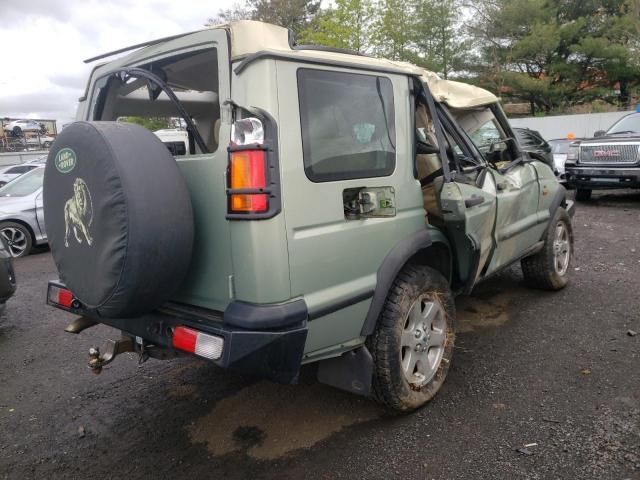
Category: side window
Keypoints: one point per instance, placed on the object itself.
(16, 170)
(191, 76)
(348, 125)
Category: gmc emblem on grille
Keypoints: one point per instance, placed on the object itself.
(606, 153)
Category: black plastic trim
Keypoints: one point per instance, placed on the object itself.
(270, 147)
(266, 54)
(351, 371)
(265, 316)
(275, 354)
(334, 307)
(388, 271)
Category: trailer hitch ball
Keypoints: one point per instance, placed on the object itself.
(110, 350)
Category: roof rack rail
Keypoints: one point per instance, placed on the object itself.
(139, 45)
(322, 48)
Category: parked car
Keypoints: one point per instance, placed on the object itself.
(532, 142)
(44, 141)
(560, 148)
(329, 218)
(7, 275)
(175, 139)
(610, 160)
(21, 214)
(17, 127)
(10, 172)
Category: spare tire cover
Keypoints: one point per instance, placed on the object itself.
(118, 217)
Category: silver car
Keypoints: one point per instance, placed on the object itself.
(21, 213)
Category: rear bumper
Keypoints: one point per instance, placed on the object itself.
(603, 177)
(258, 347)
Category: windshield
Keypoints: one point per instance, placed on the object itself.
(628, 124)
(24, 185)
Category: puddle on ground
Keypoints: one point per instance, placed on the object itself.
(488, 311)
(268, 420)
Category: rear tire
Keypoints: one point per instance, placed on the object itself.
(583, 194)
(548, 269)
(413, 342)
(17, 132)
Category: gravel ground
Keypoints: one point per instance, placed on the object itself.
(555, 371)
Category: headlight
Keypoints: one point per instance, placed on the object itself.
(573, 153)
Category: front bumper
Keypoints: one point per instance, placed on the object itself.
(602, 177)
(274, 352)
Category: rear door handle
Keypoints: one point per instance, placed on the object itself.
(473, 201)
(501, 186)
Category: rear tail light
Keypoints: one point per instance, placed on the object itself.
(61, 297)
(247, 174)
(198, 343)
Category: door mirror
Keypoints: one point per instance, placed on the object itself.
(599, 133)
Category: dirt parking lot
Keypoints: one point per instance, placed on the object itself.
(558, 372)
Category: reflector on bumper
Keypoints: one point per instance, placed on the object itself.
(60, 297)
(198, 343)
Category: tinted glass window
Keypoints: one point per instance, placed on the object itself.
(348, 125)
(628, 124)
(14, 170)
(25, 185)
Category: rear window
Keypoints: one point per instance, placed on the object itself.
(348, 125)
(191, 76)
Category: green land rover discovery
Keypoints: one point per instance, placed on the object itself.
(325, 207)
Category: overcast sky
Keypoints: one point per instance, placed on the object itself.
(45, 41)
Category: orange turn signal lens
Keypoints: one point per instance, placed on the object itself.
(247, 170)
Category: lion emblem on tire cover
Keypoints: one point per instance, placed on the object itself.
(78, 213)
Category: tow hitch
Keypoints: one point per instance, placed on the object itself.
(99, 357)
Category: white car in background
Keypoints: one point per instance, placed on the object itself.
(44, 141)
(17, 127)
(176, 140)
(10, 172)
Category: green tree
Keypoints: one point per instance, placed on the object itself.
(344, 26)
(439, 44)
(555, 53)
(392, 29)
(150, 123)
(295, 15)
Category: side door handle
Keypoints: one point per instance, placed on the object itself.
(473, 201)
(501, 185)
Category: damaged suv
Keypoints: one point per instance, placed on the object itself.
(329, 208)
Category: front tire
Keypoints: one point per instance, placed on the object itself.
(583, 194)
(17, 237)
(17, 132)
(412, 345)
(548, 269)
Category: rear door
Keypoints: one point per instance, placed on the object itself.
(343, 132)
(196, 68)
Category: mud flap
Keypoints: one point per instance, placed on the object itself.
(351, 371)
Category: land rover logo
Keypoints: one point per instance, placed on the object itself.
(65, 160)
(606, 153)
